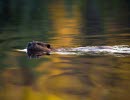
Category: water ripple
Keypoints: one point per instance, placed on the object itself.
(117, 50)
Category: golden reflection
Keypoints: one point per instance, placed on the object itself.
(59, 77)
(59, 84)
(64, 26)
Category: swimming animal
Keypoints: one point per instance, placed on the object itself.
(36, 49)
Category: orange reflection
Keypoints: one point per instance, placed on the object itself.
(64, 26)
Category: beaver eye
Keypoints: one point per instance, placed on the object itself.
(48, 45)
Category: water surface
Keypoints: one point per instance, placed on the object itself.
(82, 69)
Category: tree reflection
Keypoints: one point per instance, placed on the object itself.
(63, 23)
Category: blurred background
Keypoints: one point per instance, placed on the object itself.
(64, 23)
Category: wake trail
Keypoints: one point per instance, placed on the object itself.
(117, 50)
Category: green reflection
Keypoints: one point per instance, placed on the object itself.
(63, 23)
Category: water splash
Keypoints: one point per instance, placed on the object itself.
(117, 50)
(21, 50)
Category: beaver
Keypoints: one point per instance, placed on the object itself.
(36, 49)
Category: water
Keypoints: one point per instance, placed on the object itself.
(92, 39)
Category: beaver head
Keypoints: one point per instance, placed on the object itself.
(36, 49)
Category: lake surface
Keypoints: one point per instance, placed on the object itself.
(93, 39)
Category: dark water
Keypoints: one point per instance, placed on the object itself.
(71, 74)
